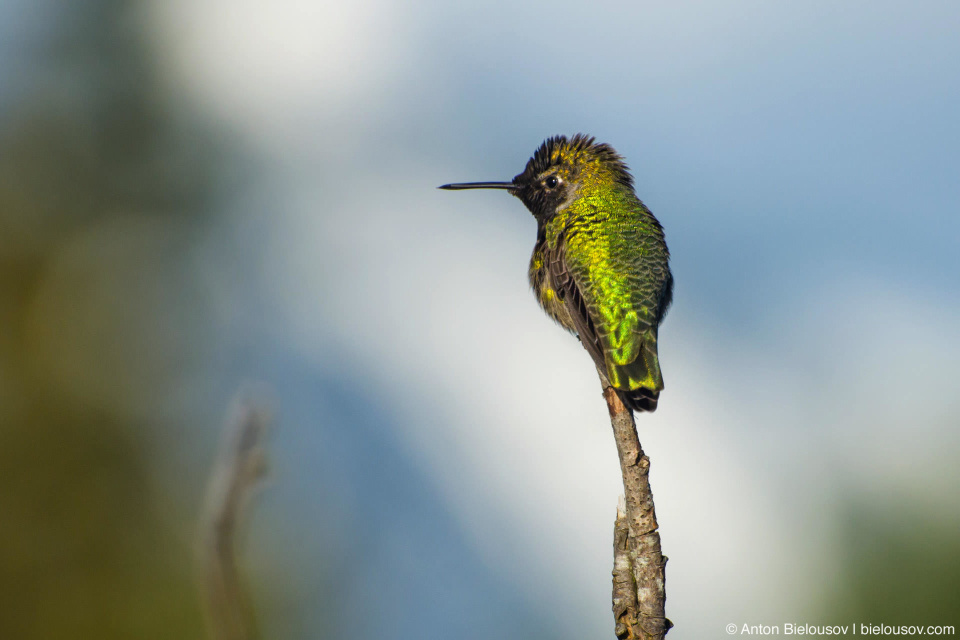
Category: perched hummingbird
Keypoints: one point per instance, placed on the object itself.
(600, 266)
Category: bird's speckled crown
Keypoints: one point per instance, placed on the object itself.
(582, 150)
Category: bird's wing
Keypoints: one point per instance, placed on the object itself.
(566, 286)
(613, 293)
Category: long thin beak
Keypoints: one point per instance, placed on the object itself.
(478, 185)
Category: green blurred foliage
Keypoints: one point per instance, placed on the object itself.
(900, 565)
(102, 184)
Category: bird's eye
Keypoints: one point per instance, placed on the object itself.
(551, 182)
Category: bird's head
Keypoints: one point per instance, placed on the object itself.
(559, 172)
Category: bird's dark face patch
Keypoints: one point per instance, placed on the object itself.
(546, 192)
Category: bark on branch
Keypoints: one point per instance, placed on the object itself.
(639, 591)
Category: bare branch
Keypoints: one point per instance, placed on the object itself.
(636, 539)
(624, 585)
(241, 463)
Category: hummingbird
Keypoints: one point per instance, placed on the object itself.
(600, 266)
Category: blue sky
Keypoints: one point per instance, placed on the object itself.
(803, 159)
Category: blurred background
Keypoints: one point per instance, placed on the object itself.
(195, 195)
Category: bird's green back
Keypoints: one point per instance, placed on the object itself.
(614, 249)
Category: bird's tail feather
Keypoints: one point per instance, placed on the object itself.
(638, 383)
(639, 399)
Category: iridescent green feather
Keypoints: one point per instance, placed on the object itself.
(613, 253)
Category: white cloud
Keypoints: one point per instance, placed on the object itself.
(271, 67)
(429, 291)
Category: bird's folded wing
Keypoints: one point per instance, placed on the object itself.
(616, 323)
